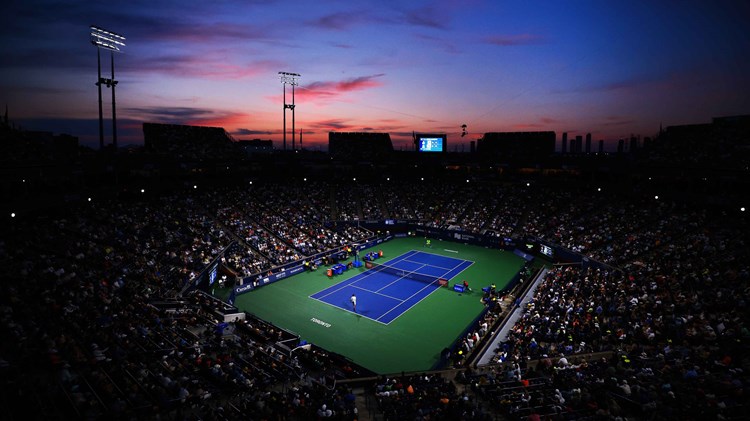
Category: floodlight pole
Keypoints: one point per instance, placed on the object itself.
(288, 78)
(114, 112)
(294, 132)
(99, 87)
(111, 41)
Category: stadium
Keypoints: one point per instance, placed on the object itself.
(207, 283)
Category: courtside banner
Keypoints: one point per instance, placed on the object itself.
(374, 242)
(251, 285)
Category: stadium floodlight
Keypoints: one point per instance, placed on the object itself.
(106, 39)
(290, 79)
(101, 38)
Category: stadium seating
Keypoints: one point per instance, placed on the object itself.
(662, 333)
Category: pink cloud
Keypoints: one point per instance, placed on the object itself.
(354, 84)
(328, 90)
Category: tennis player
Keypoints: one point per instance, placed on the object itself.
(354, 302)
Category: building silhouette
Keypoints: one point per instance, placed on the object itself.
(359, 145)
(516, 145)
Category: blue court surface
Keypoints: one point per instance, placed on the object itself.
(384, 296)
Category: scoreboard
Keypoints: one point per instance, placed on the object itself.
(430, 142)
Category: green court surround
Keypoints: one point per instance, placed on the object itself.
(414, 341)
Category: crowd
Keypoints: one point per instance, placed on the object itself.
(95, 326)
(671, 324)
(482, 329)
(288, 231)
(258, 237)
(428, 396)
(658, 330)
(244, 261)
(417, 201)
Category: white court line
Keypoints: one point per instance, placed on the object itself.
(376, 292)
(451, 251)
(365, 274)
(351, 281)
(400, 277)
(404, 311)
(349, 311)
(423, 298)
(426, 264)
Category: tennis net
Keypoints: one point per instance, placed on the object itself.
(421, 277)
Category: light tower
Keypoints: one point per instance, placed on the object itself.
(291, 79)
(111, 41)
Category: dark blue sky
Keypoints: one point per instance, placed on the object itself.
(609, 68)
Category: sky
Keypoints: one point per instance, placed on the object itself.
(611, 68)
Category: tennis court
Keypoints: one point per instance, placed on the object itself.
(385, 292)
(411, 342)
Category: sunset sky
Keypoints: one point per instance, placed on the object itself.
(605, 67)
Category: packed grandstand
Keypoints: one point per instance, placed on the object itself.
(99, 319)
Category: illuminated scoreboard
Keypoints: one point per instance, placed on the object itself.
(430, 142)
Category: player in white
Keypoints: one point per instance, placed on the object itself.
(353, 299)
